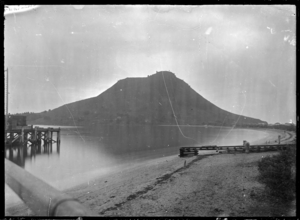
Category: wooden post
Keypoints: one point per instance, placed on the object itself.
(25, 137)
(39, 149)
(45, 137)
(58, 147)
(278, 139)
(35, 134)
(21, 156)
(5, 137)
(246, 146)
(24, 151)
(33, 150)
(181, 153)
(49, 135)
(11, 153)
(38, 137)
(22, 136)
(11, 136)
(58, 136)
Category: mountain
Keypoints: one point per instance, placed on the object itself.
(148, 100)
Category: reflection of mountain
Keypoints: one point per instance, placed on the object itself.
(143, 101)
(124, 138)
(18, 154)
(127, 138)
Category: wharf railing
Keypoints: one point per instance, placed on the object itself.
(41, 198)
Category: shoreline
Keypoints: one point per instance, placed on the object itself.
(110, 194)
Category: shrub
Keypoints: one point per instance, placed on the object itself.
(276, 172)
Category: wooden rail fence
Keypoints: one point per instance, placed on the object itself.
(184, 151)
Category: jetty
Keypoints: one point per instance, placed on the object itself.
(245, 148)
(18, 132)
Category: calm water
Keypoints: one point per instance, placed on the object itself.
(86, 153)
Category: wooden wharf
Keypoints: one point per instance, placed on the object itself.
(183, 151)
(194, 150)
(32, 135)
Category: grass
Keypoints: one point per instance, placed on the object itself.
(277, 173)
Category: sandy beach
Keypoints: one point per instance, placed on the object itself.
(210, 184)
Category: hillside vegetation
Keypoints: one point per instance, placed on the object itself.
(142, 101)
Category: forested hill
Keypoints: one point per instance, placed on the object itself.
(147, 100)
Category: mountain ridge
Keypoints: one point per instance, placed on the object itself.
(143, 100)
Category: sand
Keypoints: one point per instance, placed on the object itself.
(210, 184)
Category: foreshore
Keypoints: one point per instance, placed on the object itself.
(210, 184)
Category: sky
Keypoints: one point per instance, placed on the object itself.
(241, 58)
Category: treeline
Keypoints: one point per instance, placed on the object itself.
(291, 127)
(23, 113)
(28, 113)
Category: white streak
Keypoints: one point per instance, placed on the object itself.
(271, 83)
(208, 31)
(286, 38)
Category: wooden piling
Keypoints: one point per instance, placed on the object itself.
(24, 151)
(5, 136)
(49, 135)
(38, 137)
(58, 136)
(22, 136)
(11, 154)
(35, 134)
(11, 137)
(25, 138)
(58, 148)
(45, 137)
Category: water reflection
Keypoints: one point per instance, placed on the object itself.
(19, 153)
(87, 153)
(125, 138)
(88, 146)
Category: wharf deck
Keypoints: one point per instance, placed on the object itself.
(25, 134)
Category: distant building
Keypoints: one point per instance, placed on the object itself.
(289, 124)
(15, 121)
(263, 123)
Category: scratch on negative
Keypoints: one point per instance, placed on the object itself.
(272, 83)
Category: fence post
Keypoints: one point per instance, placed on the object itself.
(246, 146)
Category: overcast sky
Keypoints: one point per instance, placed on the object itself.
(241, 58)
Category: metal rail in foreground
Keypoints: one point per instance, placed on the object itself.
(41, 198)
